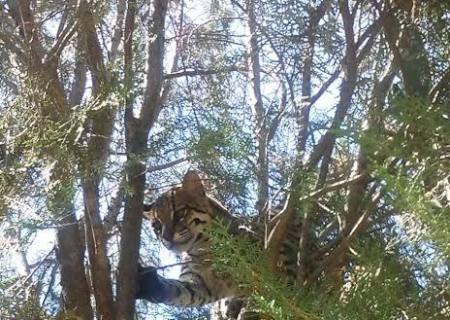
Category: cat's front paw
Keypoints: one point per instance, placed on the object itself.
(149, 285)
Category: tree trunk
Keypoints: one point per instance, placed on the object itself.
(75, 290)
(136, 135)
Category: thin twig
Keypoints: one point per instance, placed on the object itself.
(44, 259)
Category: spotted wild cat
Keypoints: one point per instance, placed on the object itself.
(179, 218)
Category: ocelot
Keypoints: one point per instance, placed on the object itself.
(180, 218)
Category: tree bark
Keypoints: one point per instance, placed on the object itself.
(92, 165)
(261, 126)
(75, 291)
(136, 135)
(315, 16)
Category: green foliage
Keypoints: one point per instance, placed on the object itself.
(245, 261)
(417, 132)
(377, 285)
(419, 148)
(408, 196)
(42, 146)
(19, 303)
(412, 166)
(222, 149)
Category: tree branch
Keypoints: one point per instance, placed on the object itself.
(136, 135)
(62, 40)
(154, 80)
(79, 74)
(441, 85)
(117, 34)
(317, 193)
(350, 66)
(166, 165)
(201, 72)
(331, 261)
(98, 140)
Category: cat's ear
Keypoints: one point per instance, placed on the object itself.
(192, 183)
(149, 211)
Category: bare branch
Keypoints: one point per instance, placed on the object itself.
(333, 187)
(441, 85)
(371, 33)
(180, 46)
(257, 107)
(114, 207)
(154, 81)
(97, 149)
(117, 34)
(33, 55)
(282, 107)
(20, 11)
(166, 165)
(317, 193)
(201, 72)
(70, 253)
(61, 41)
(136, 135)
(350, 66)
(335, 257)
(79, 75)
(325, 85)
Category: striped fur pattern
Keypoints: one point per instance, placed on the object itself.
(179, 219)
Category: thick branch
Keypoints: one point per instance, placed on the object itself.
(405, 41)
(306, 90)
(114, 207)
(92, 165)
(79, 75)
(136, 134)
(43, 72)
(75, 291)
(256, 103)
(350, 66)
(97, 251)
(117, 35)
(154, 81)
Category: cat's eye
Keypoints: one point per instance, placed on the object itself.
(180, 213)
(157, 226)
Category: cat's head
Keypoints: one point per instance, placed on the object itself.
(180, 216)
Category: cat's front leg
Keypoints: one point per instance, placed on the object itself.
(157, 289)
(149, 285)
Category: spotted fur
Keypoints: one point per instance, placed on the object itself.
(180, 218)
